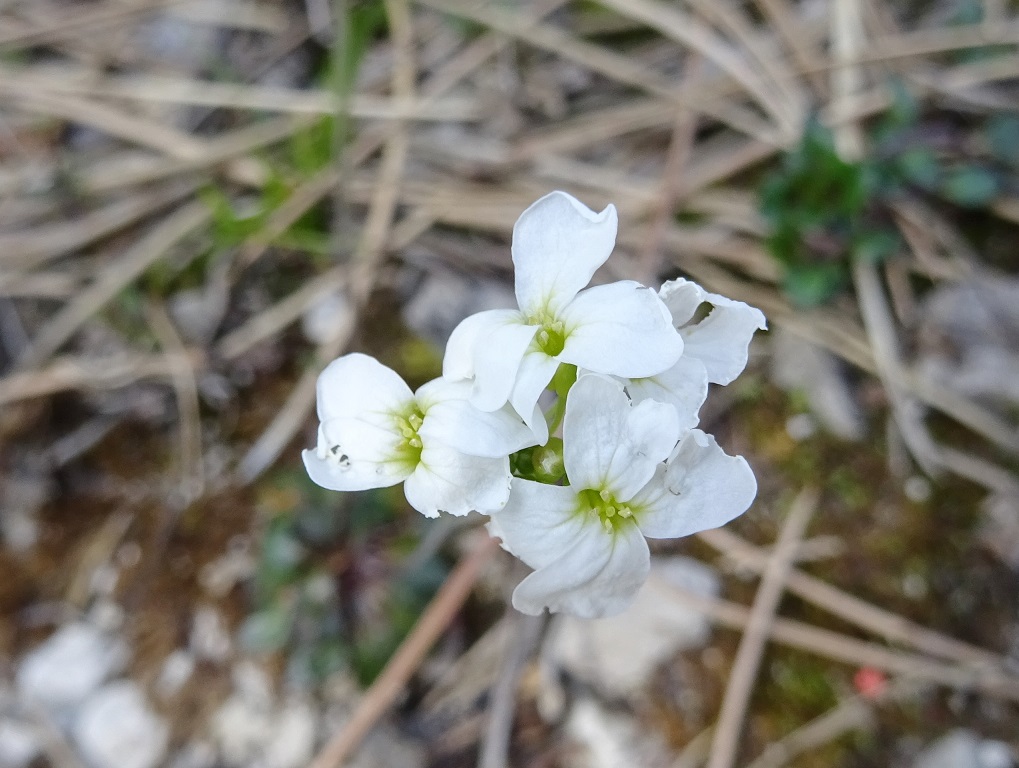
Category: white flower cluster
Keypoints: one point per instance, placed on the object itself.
(629, 369)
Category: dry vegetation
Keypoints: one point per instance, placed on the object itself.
(183, 183)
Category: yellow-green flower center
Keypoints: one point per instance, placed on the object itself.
(602, 505)
(407, 424)
(552, 333)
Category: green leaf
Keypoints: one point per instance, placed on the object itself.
(919, 166)
(876, 245)
(267, 630)
(1003, 138)
(810, 286)
(970, 186)
(905, 109)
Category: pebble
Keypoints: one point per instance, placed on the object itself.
(116, 729)
(210, 639)
(963, 748)
(19, 743)
(291, 741)
(603, 653)
(176, 671)
(64, 669)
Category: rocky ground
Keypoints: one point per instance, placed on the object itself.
(202, 203)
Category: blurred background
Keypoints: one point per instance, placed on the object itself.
(203, 203)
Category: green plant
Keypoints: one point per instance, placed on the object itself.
(823, 211)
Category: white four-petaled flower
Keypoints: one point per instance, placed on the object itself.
(628, 478)
(622, 328)
(714, 351)
(374, 432)
(635, 466)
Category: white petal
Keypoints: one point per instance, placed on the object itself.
(699, 488)
(579, 567)
(460, 358)
(609, 444)
(497, 361)
(597, 575)
(359, 386)
(622, 329)
(459, 425)
(558, 243)
(720, 340)
(682, 297)
(535, 373)
(353, 455)
(449, 481)
(538, 522)
(684, 386)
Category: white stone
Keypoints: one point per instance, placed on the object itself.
(197, 754)
(252, 683)
(292, 740)
(209, 636)
(68, 666)
(327, 318)
(116, 729)
(963, 748)
(239, 728)
(801, 366)
(19, 743)
(176, 671)
(224, 573)
(611, 740)
(618, 654)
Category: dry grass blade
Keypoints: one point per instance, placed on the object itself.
(848, 607)
(781, 15)
(387, 686)
(32, 248)
(615, 66)
(765, 58)
(114, 122)
(742, 676)
(87, 373)
(852, 714)
(849, 650)
(68, 25)
(496, 741)
(118, 274)
(688, 31)
(274, 319)
(113, 175)
(192, 465)
(364, 263)
(166, 90)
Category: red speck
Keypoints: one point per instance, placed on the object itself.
(870, 682)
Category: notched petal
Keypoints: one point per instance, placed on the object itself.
(558, 244)
(355, 385)
(621, 329)
(699, 488)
